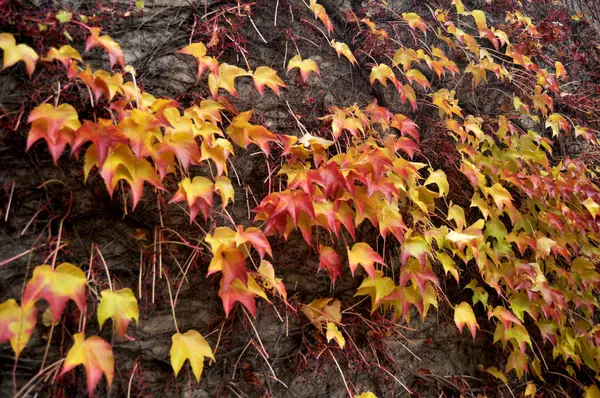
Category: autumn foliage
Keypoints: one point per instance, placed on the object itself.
(516, 229)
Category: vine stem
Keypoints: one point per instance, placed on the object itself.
(110, 285)
(342, 374)
(171, 300)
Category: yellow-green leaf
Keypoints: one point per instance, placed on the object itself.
(190, 345)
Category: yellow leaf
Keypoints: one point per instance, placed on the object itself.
(121, 306)
(334, 333)
(382, 73)
(414, 21)
(592, 207)
(530, 390)
(17, 324)
(225, 79)
(460, 8)
(464, 315)
(367, 394)
(479, 17)
(378, 289)
(438, 177)
(592, 392)
(63, 16)
(56, 286)
(416, 75)
(95, 355)
(190, 345)
(497, 373)
(305, 65)
(225, 189)
(264, 75)
(343, 49)
(364, 255)
(560, 70)
(500, 195)
(14, 53)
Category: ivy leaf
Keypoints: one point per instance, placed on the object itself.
(198, 51)
(320, 312)
(438, 177)
(14, 53)
(256, 237)
(225, 79)
(232, 263)
(267, 275)
(95, 355)
(121, 306)
(66, 55)
(517, 361)
(63, 16)
(56, 286)
(330, 260)
(237, 291)
(592, 391)
(320, 13)
(225, 189)
(479, 17)
(497, 373)
(190, 345)
(261, 137)
(343, 49)
(362, 254)
(367, 394)
(198, 193)
(17, 324)
(560, 70)
(382, 73)
(464, 315)
(334, 333)
(500, 195)
(415, 21)
(592, 207)
(479, 293)
(103, 134)
(265, 76)
(417, 76)
(115, 53)
(122, 164)
(448, 265)
(378, 288)
(56, 125)
(305, 65)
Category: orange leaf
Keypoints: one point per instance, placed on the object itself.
(95, 355)
(237, 291)
(115, 54)
(231, 262)
(56, 125)
(56, 286)
(198, 193)
(121, 164)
